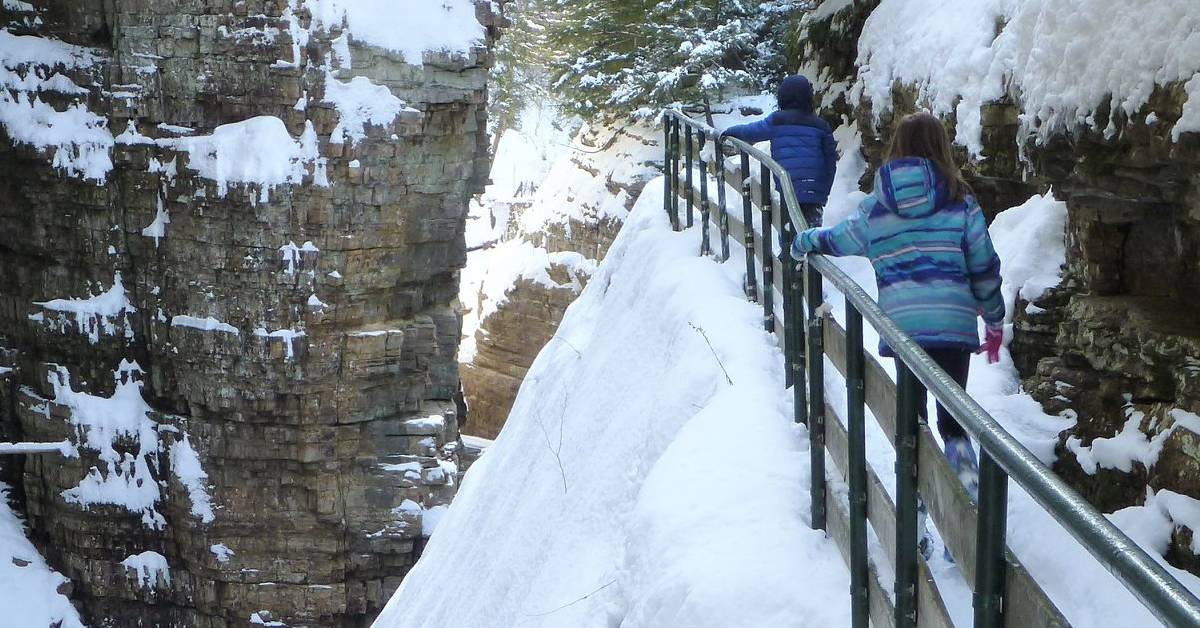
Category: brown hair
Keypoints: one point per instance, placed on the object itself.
(922, 135)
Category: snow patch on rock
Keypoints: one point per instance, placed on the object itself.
(150, 568)
(94, 316)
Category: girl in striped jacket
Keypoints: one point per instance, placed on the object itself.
(934, 262)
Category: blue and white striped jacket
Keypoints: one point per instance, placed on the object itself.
(934, 262)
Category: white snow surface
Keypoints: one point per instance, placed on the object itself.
(407, 27)
(79, 139)
(515, 210)
(221, 552)
(185, 464)
(1064, 58)
(30, 587)
(257, 151)
(126, 480)
(359, 103)
(615, 494)
(94, 316)
(207, 323)
(1030, 241)
(150, 568)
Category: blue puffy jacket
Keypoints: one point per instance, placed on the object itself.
(800, 141)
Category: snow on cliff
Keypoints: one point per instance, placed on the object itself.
(645, 476)
(1063, 58)
(581, 184)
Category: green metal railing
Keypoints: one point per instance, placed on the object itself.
(997, 574)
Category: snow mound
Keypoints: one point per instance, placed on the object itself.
(257, 151)
(615, 493)
(94, 316)
(1031, 242)
(359, 103)
(79, 139)
(409, 29)
(1064, 58)
(150, 569)
(30, 586)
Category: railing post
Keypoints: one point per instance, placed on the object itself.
(724, 215)
(748, 221)
(675, 170)
(705, 248)
(907, 405)
(687, 160)
(668, 175)
(815, 350)
(857, 461)
(793, 327)
(768, 260)
(990, 565)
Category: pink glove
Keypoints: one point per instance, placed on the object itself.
(991, 344)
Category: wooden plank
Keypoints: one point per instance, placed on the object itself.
(880, 389)
(881, 610)
(881, 513)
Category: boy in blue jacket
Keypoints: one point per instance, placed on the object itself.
(800, 141)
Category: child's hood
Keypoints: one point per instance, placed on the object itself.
(795, 92)
(912, 187)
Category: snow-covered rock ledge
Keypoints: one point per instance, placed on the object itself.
(632, 484)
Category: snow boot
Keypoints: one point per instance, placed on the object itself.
(925, 540)
(962, 459)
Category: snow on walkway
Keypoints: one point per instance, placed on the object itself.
(644, 477)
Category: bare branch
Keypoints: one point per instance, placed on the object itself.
(575, 601)
(714, 352)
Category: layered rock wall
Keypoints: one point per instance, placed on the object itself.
(231, 287)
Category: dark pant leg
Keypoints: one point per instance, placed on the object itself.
(956, 363)
(812, 213)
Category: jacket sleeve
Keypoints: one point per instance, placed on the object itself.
(849, 237)
(751, 132)
(829, 148)
(983, 266)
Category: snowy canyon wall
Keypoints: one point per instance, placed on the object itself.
(537, 244)
(1112, 128)
(231, 233)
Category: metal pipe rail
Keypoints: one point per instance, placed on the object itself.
(1002, 456)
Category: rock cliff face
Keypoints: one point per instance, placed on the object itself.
(561, 233)
(231, 235)
(1117, 344)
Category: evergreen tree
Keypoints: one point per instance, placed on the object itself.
(618, 56)
(520, 76)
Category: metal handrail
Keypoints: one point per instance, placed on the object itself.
(1160, 592)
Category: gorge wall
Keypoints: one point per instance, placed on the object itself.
(231, 233)
(1117, 344)
(545, 245)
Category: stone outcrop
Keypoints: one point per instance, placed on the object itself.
(1119, 339)
(251, 355)
(579, 197)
